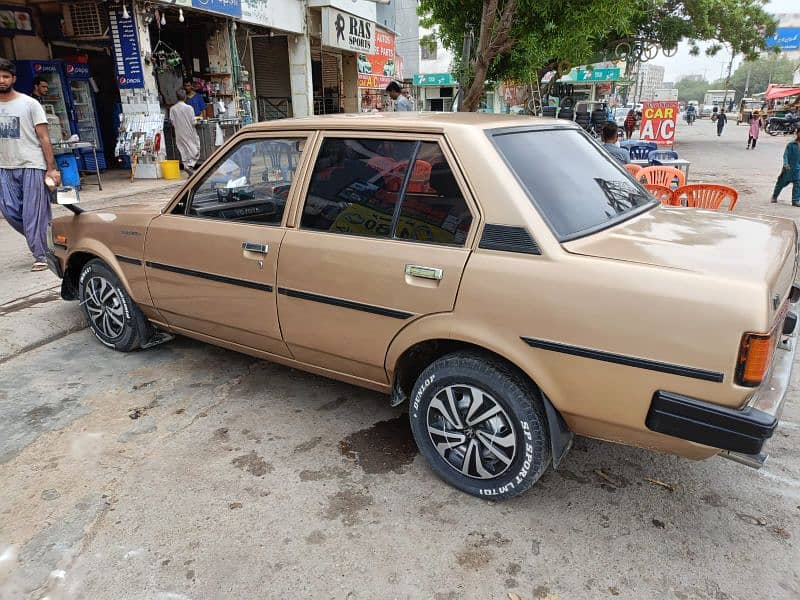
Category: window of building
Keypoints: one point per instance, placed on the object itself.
(250, 184)
(428, 50)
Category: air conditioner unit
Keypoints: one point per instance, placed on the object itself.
(85, 20)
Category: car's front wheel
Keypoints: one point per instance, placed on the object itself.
(480, 424)
(113, 316)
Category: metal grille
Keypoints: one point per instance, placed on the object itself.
(88, 20)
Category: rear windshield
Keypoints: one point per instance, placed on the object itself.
(575, 185)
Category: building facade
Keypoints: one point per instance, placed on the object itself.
(648, 80)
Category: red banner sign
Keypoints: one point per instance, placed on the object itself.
(377, 70)
(658, 122)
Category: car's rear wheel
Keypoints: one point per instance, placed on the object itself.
(113, 316)
(480, 425)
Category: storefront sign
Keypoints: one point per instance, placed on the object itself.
(658, 122)
(127, 62)
(598, 74)
(348, 32)
(379, 69)
(785, 38)
(232, 8)
(434, 79)
(77, 71)
(286, 15)
(15, 20)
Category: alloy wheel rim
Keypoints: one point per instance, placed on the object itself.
(104, 307)
(471, 431)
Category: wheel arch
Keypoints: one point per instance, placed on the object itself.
(408, 356)
(78, 258)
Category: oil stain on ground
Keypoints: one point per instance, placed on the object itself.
(386, 446)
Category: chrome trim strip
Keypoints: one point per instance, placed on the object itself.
(210, 276)
(370, 308)
(629, 361)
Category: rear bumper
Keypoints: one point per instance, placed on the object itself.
(743, 431)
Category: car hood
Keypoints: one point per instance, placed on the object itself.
(722, 245)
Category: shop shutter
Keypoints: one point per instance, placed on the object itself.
(330, 70)
(271, 76)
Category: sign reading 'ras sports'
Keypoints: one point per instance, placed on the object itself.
(346, 31)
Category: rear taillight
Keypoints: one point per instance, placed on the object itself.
(755, 357)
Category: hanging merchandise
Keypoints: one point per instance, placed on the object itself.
(140, 133)
(164, 57)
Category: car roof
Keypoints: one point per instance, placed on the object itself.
(435, 122)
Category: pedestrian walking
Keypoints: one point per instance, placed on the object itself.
(721, 121)
(630, 124)
(181, 115)
(754, 130)
(790, 173)
(401, 103)
(26, 162)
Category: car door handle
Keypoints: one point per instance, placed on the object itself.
(424, 272)
(253, 247)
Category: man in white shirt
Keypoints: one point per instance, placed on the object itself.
(26, 160)
(181, 115)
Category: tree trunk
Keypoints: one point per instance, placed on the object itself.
(472, 96)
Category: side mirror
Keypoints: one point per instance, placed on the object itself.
(66, 195)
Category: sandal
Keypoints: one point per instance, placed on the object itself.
(39, 266)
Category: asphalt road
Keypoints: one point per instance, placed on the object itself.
(187, 471)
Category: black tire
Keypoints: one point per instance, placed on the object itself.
(520, 418)
(113, 316)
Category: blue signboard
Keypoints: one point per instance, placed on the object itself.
(785, 38)
(127, 62)
(232, 8)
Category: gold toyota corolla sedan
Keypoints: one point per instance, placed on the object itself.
(502, 275)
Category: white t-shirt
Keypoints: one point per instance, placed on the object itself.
(19, 145)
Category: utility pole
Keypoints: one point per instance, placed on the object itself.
(747, 81)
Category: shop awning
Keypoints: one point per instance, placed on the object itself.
(781, 91)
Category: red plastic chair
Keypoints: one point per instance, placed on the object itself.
(420, 182)
(662, 176)
(633, 169)
(707, 195)
(663, 193)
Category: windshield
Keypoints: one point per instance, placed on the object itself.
(576, 186)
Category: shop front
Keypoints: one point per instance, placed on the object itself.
(345, 38)
(435, 91)
(376, 71)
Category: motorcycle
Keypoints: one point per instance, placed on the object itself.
(785, 125)
(690, 117)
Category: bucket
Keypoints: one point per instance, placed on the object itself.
(171, 169)
(68, 166)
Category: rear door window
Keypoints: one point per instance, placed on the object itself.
(355, 186)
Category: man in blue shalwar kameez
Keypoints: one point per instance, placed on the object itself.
(26, 160)
(791, 171)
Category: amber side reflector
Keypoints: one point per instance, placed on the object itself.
(755, 357)
(60, 239)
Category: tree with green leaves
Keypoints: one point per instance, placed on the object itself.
(520, 39)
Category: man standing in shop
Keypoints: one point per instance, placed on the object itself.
(401, 103)
(181, 115)
(40, 89)
(193, 99)
(26, 160)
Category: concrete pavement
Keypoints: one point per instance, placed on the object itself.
(187, 471)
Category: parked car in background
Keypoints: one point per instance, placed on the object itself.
(510, 303)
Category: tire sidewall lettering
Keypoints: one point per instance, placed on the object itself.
(421, 392)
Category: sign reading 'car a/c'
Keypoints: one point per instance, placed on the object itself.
(346, 31)
(658, 122)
